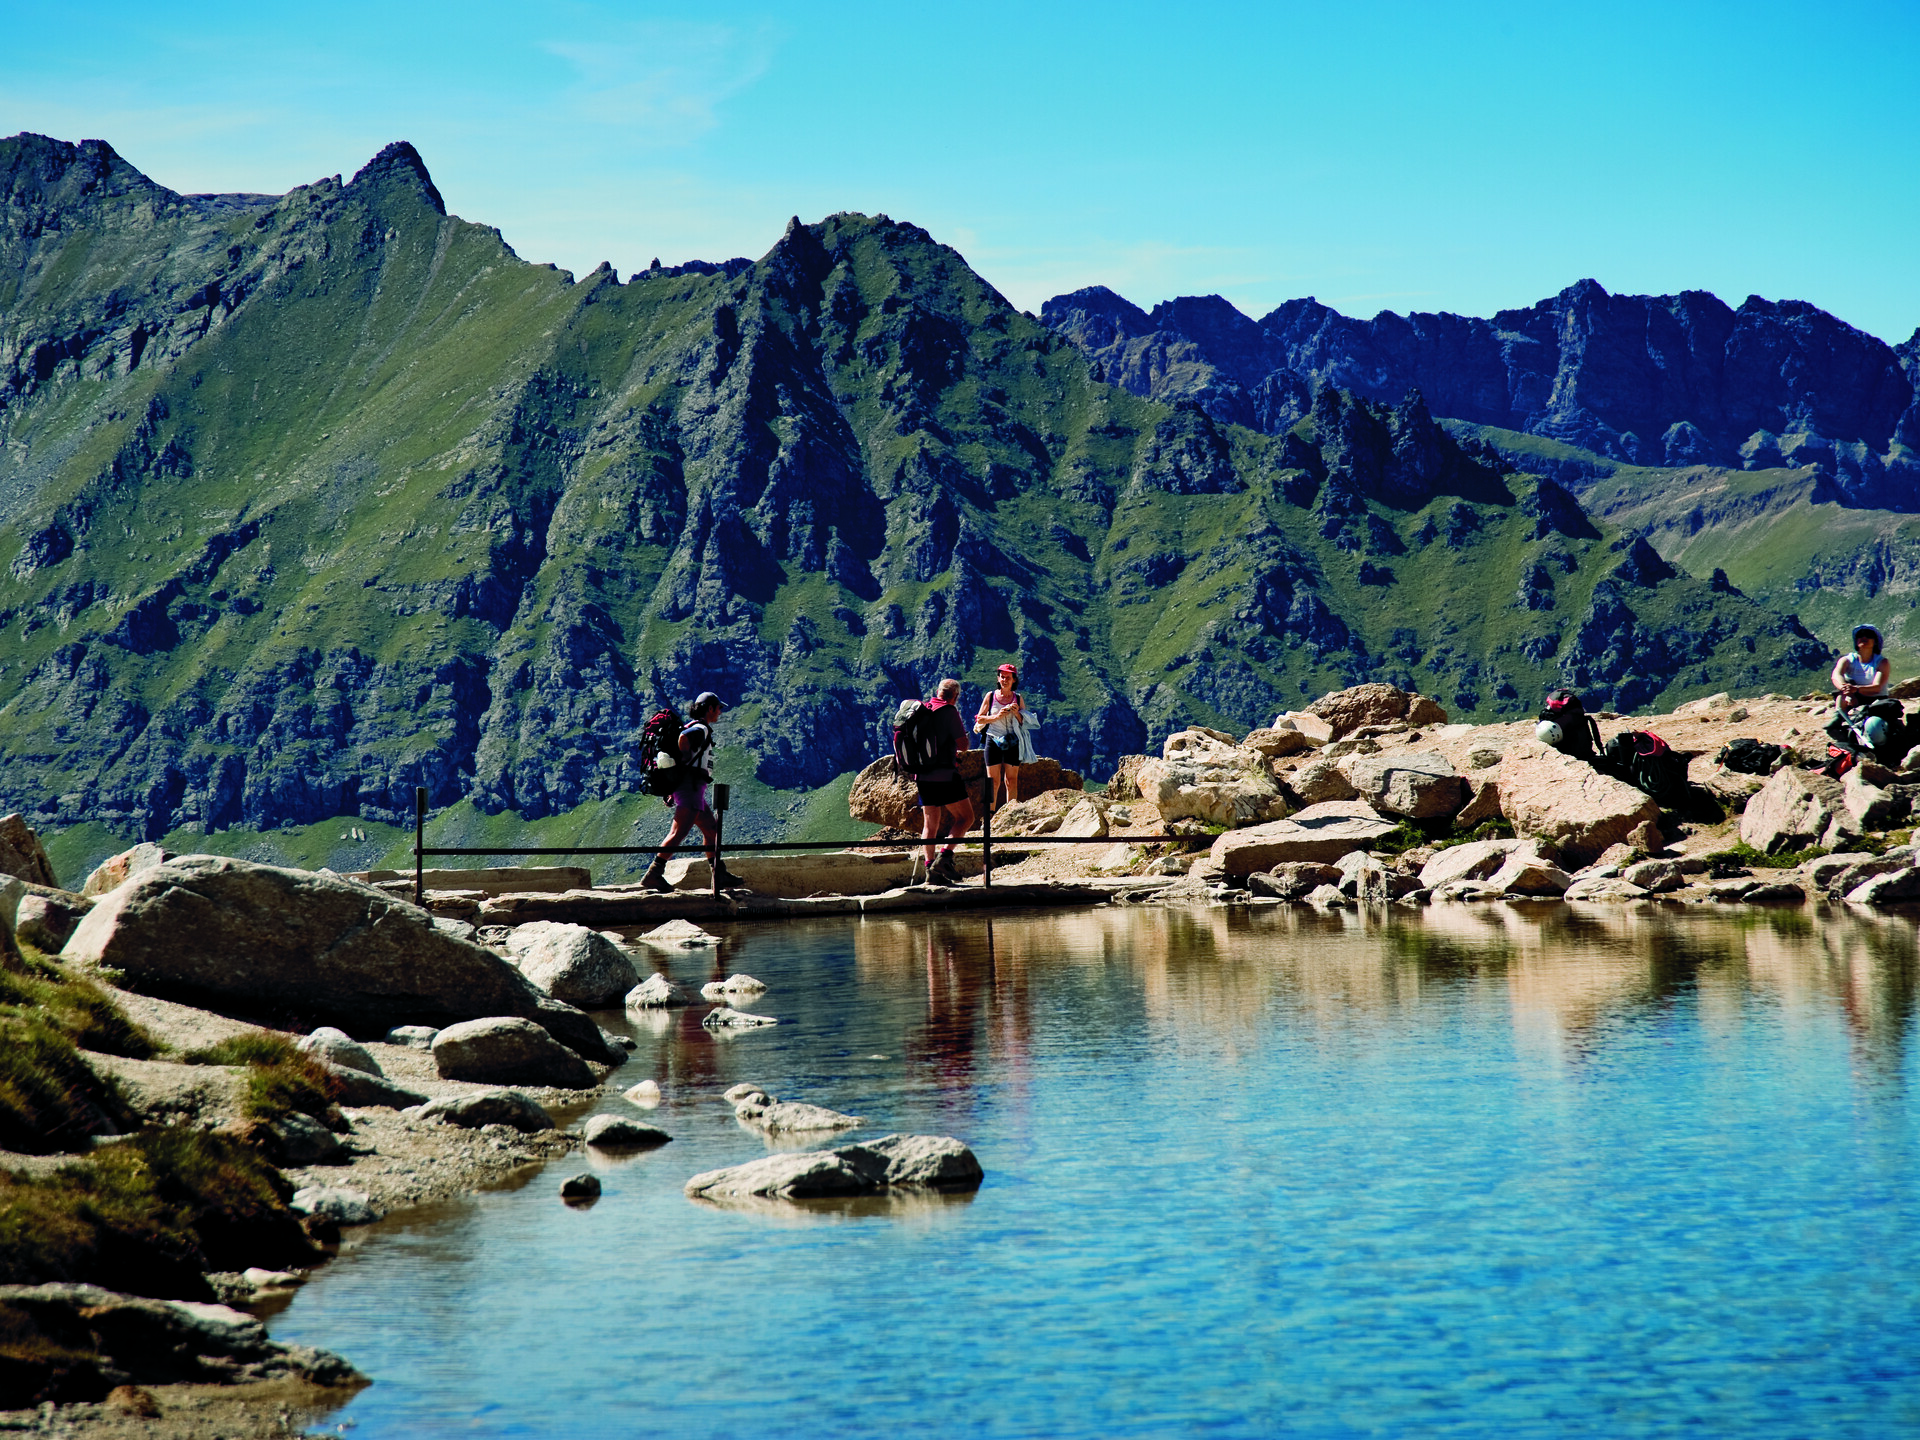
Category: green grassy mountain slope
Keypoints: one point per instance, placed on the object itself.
(374, 503)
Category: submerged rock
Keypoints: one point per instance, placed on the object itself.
(726, 1018)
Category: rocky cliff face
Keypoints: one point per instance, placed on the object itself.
(310, 499)
(1654, 380)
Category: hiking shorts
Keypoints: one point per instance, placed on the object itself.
(1003, 752)
(692, 800)
(941, 792)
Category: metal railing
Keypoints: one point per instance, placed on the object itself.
(720, 798)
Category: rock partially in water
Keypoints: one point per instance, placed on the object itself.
(490, 1107)
(727, 1018)
(743, 985)
(571, 962)
(928, 1162)
(506, 1050)
(646, 1094)
(786, 1117)
(335, 1203)
(612, 1132)
(736, 1093)
(678, 935)
(1893, 888)
(580, 1187)
(657, 992)
(338, 1048)
(1294, 880)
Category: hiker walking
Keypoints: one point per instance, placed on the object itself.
(1862, 676)
(686, 783)
(1002, 713)
(928, 737)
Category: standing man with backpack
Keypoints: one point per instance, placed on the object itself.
(927, 739)
(685, 786)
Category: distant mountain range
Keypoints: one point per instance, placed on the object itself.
(308, 499)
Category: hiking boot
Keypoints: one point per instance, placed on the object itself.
(945, 869)
(725, 878)
(656, 876)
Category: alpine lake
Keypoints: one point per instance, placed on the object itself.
(1523, 1169)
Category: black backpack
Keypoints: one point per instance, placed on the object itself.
(1848, 731)
(920, 742)
(1648, 763)
(1579, 736)
(661, 736)
(1749, 757)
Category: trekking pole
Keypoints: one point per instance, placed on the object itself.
(721, 795)
(419, 845)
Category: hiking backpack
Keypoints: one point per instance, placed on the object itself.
(1849, 731)
(1749, 757)
(660, 739)
(920, 742)
(1648, 763)
(1579, 735)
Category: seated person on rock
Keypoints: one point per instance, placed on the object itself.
(1861, 677)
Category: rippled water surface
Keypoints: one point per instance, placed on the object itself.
(1472, 1171)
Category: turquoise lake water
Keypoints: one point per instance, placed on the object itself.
(1488, 1170)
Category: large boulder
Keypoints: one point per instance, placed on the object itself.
(1476, 860)
(1201, 777)
(1419, 784)
(1796, 810)
(1086, 821)
(1345, 711)
(1042, 815)
(114, 871)
(571, 962)
(1894, 888)
(275, 942)
(1321, 833)
(1574, 808)
(46, 918)
(22, 855)
(1294, 880)
(506, 1050)
(882, 796)
(1320, 780)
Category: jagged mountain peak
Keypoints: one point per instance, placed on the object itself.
(401, 163)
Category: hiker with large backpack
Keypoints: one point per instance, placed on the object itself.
(677, 761)
(928, 736)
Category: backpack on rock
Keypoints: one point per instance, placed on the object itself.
(1648, 763)
(1578, 735)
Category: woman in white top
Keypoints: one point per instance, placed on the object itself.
(1861, 676)
(999, 713)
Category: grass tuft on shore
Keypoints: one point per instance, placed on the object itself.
(149, 1216)
(50, 1098)
(280, 1078)
(78, 1009)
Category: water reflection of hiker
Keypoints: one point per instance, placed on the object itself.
(1001, 714)
(1861, 676)
(689, 797)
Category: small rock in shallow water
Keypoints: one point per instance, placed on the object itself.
(678, 934)
(656, 992)
(736, 1093)
(580, 1187)
(793, 1117)
(918, 1162)
(646, 1094)
(611, 1132)
(342, 1206)
(727, 1018)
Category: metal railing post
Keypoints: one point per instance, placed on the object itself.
(986, 839)
(420, 845)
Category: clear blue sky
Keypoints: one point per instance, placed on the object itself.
(1380, 156)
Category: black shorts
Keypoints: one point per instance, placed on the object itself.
(1003, 752)
(941, 792)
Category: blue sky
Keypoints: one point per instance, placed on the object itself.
(1379, 156)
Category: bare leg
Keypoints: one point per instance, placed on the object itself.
(932, 824)
(993, 786)
(1012, 774)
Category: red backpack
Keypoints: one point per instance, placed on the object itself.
(660, 736)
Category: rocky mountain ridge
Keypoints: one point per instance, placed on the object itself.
(310, 499)
(1670, 380)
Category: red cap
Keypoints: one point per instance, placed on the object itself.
(1006, 670)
